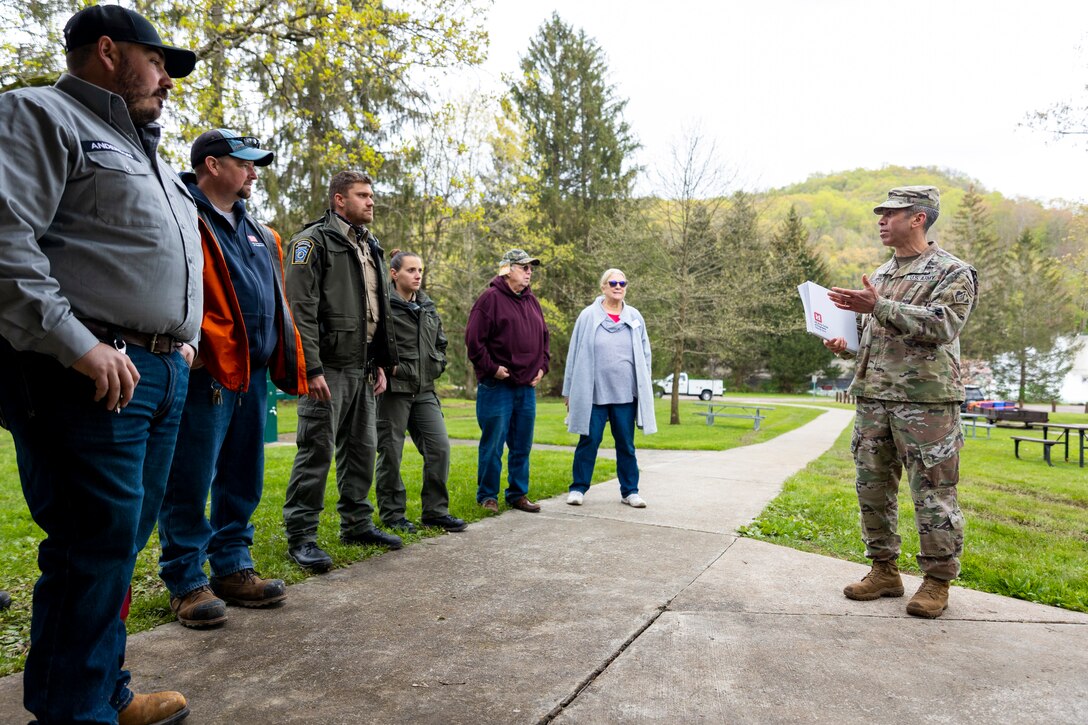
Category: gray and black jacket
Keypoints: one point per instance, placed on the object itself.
(420, 341)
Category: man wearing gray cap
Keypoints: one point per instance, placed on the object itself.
(507, 341)
(247, 333)
(909, 388)
(100, 306)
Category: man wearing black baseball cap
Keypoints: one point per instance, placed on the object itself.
(100, 310)
(247, 335)
(122, 25)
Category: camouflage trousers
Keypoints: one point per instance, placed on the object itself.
(924, 438)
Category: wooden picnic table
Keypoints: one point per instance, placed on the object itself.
(1066, 429)
(719, 410)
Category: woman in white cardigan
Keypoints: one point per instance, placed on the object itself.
(607, 380)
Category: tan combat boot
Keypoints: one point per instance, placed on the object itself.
(930, 600)
(157, 708)
(882, 581)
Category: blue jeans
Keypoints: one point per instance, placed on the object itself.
(220, 449)
(506, 414)
(622, 420)
(93, 480)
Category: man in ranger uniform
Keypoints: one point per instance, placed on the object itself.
(336, 282)
(246, 334)
(100, 302)
(908, 387)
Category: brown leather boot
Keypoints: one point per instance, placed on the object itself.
(930, 600)
(883, 580)
(246, 589)
(158, 708)
(199, 608)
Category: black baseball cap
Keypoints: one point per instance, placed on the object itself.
(128, 26)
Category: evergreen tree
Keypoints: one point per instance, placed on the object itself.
(579, 150)
(973, 238)
(754, 284)
(1040, 312)
(795, 355)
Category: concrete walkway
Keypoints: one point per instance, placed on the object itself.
(607, 614)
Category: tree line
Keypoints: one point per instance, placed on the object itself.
(548, 166)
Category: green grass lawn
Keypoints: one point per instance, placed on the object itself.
(19, 536)
(1027, 524)
(693, 434)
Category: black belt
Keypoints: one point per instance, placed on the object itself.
(159, 343)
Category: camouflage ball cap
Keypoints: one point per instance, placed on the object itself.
(902, 197)
(516, 256)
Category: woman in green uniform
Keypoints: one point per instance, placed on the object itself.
(410, 403)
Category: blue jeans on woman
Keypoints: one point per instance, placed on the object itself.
(93, 480)
(621, 417)
(506, 414)
(220, 450)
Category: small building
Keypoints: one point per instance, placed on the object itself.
(1075, 386)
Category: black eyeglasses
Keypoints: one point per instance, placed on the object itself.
(617, 283)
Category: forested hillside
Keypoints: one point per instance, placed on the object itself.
(837, 209)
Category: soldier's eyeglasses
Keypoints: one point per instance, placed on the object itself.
(617, 283)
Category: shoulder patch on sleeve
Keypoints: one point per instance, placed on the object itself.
(300, 252)
(961, 297)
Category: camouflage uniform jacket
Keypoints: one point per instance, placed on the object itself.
(909, 346)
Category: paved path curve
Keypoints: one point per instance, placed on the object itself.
(606, 614)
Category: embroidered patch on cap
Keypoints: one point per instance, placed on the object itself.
(961, 297)
(93, 146)
(302, 251)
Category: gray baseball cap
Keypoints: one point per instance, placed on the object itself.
(902, 197)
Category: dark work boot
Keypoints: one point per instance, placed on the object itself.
(246, 589)
(445, 521)
(199, 609)
(375, 537)
(309, 556)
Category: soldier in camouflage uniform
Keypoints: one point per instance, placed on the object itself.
(909, 388)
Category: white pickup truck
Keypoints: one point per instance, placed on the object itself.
(705, 389)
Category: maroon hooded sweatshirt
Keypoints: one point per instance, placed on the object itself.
(507, 328)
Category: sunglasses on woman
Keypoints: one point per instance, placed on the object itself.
(617, 283)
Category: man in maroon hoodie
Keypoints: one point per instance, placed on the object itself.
(507, 342)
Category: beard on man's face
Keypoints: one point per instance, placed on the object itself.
(142, 106)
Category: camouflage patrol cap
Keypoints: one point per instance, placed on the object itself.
(516, 256)
(902, 197)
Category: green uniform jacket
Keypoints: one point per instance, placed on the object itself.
(420, 343)
(324, 285)
(909, 346)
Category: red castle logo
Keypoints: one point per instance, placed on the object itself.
(818, 316)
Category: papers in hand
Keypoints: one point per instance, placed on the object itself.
(824, 319)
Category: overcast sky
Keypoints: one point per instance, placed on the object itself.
(787, 88)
